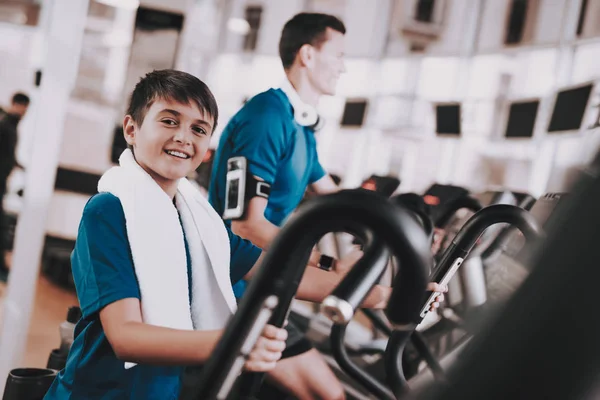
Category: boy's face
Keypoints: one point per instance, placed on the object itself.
(171, 142)
(328, 63)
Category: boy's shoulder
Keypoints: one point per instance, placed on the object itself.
(103, 203)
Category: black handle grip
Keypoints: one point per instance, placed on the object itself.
(350, 293)
(338, 348)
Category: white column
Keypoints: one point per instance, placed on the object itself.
(120, 38)
(64, 37)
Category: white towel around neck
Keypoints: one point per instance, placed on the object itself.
(157, 244)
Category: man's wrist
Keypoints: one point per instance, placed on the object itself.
(326, 263)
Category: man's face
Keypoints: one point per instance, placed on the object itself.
(19, 109)
(172, 140)
(328, 64)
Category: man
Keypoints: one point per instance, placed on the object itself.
(8, 160)
(278, 142)
(274, 131)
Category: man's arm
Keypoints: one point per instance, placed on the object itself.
(255, 227)
(325, 185)
(317, 284)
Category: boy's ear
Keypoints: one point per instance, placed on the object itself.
(129, 130)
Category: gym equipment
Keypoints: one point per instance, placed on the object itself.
(544, 343)
(443, 272)
(28, 383)
(272, 289)
(58, 357)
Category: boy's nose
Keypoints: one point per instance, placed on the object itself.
(181, 136)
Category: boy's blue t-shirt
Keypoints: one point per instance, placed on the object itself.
(103, 272)
(278, 150)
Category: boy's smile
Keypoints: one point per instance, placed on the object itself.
(171, 141)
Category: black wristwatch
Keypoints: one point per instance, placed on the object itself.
(325, 262)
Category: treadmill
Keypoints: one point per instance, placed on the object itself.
(505, 273)
(544, 343)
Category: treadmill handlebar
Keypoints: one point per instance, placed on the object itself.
(272, 289)
(468, 202)
(468, 235)
(342, 303)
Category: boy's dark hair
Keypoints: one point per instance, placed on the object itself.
(20, 98)
(305, 28)
(169, 84)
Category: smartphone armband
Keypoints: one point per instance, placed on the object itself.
(240, 187)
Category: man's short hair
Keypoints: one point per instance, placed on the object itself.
(20, 98)
(305, 28)
(171, 85)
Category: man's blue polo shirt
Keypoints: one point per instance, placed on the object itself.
(278, 150)
(103, 272)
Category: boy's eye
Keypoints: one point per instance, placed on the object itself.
(199, 130)
(169, 122)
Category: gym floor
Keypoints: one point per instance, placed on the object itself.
(49, 310)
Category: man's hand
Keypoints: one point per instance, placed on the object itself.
(438, 238)
(379, 296)
(267, 350)
(436, 287)
(342, 266)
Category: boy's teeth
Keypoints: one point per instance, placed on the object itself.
(177, 154)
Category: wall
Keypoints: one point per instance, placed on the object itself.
(493, 23)
(399, 135)
(549, 20)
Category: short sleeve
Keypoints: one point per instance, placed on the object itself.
(101, 261)
(317, 172)
(261, 137)
(243, 256)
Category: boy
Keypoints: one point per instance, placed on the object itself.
(135, 338)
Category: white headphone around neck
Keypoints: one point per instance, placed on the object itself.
(304, 114)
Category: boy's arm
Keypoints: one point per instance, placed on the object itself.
(134, 341)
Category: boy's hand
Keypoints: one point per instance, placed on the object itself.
(268, 349)
(379, 296)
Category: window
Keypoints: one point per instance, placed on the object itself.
(569, 109)
(354, 113)
(253, 16)
(447, 118)
(521, 119)
(424, 10)
(516, 22)
(20, 12)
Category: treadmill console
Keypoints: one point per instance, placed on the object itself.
(506, 270)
